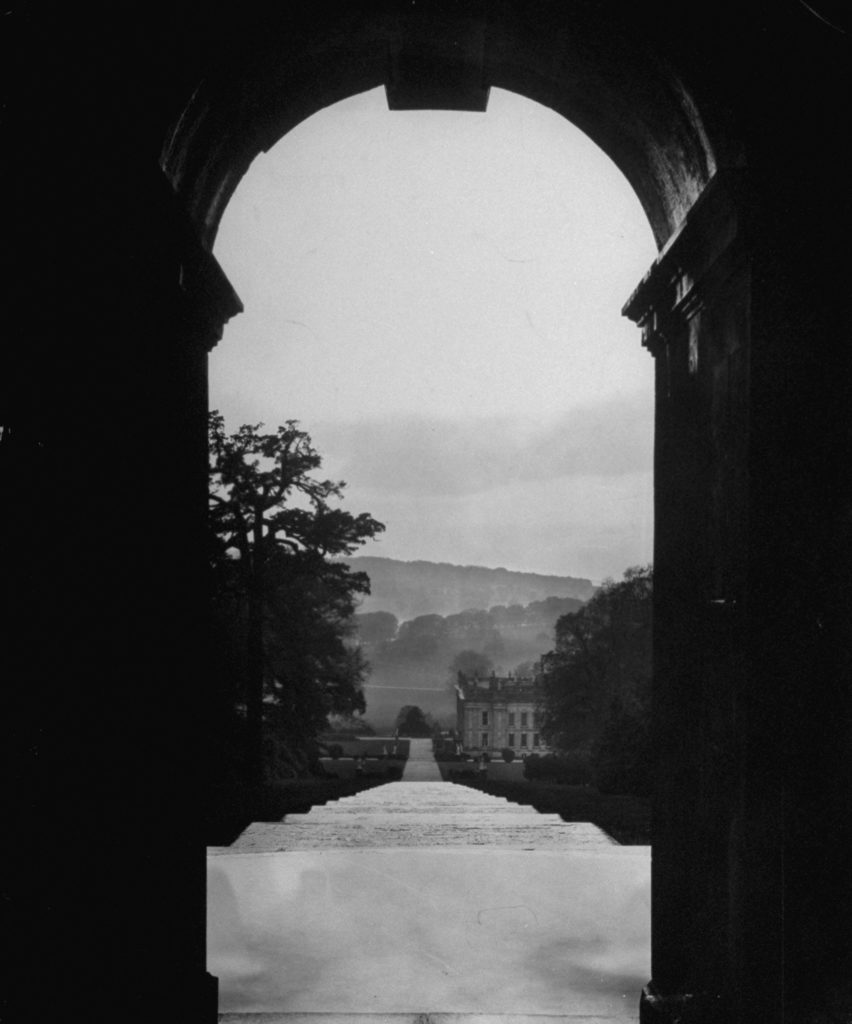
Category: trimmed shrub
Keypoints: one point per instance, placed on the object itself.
(508, 754)
(335, 751)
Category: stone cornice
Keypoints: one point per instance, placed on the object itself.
(692, 265)
(208, 297)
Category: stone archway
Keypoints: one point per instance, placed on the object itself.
(727, 127)
(592, 70)
(641, 114)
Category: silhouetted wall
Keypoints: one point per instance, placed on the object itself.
(125, 133)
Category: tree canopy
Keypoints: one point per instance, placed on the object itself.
(375, 628)
(264, 498)
(283, 601)
(411, 721)
(597, 679)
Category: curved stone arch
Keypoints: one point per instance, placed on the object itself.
(592, 70)
(113, 303)
(673, 140)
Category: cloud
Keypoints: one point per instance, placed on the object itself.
(579, 526)
(538, 508)
(433, 456)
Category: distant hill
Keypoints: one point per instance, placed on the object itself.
(413, 662)
(410, 589)
(420, 615)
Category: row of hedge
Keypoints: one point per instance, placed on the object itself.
(569, 769)
(626, 818)
(620, 760)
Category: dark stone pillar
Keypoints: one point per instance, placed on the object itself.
(693, 307)
(750, 868)
(801, 598)
(104, 482)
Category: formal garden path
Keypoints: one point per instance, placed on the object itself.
(423, 901)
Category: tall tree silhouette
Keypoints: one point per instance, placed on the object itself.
(275, 530)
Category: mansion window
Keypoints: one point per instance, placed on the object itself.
(511, 739)
(523, 739)
(535, 739)
(523, 719)
(484, 740)
(511, 719)
(485, 718)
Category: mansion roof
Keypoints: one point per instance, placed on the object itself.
(497, 689)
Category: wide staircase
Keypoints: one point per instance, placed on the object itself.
(422, 901)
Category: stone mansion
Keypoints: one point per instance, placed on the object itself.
(498, 712)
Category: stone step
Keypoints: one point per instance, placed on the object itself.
(422, 1018)
(425, 833)
(427, 815)
(446, 792)
(336, 810)
(402, 799)
(460, 819)
(439, 789)
(436, 818)
(400, 793)
(405, 807)
(423, 893)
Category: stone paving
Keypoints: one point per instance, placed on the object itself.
(423, 900)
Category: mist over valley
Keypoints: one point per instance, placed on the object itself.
(421, 616)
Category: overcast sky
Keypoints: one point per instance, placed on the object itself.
(436, 298)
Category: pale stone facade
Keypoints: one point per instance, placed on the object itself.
(499, 712)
